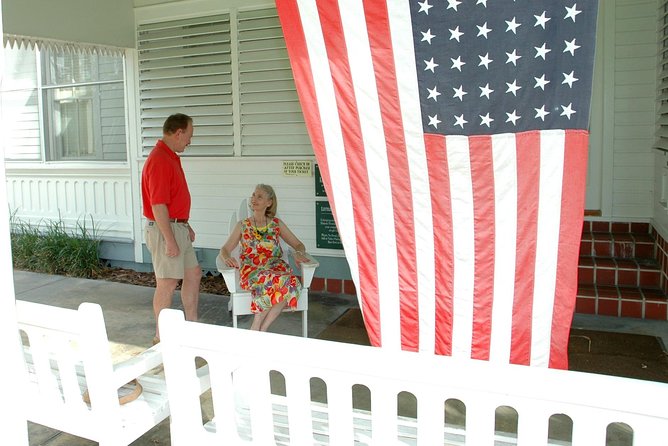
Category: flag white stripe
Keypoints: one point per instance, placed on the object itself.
(461, 200)
(380, 187)
(504, 155)
(331, 129)
(552, 143)
(409, 98)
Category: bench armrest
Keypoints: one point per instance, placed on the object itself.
(230, 274)
(307, 267)
(132, 368)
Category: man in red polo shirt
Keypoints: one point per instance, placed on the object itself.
(168, 235)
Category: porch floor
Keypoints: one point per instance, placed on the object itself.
(128, 315)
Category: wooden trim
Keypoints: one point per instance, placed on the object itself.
(592, 213)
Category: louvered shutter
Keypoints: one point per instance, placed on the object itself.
(270, 115)
(185, 66)
(662, 94)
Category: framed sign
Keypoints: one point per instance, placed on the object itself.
(326, 234)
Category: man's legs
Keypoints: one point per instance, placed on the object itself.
(162, 298)
(190, 292)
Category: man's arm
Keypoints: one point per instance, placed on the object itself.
(161, 215)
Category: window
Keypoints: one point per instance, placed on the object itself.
(231, 73)
(61, 104)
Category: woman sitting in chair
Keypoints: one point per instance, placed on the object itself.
(263, 272)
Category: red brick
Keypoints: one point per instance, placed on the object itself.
(621, 227)
(655, 310)
(605, 276)
(585, 248)
(585, 275)
(640, 227)
(631, 309)
(586, 226)
(586, 290)
(349, 287)
(334, 286)
(627, 277)
(649, 279)
(608, 307)
(318, 284)
(644, 250)
(600, 226)
(603, 249)
(585, 305)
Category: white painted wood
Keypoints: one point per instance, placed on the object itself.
(66, 352)
(74, 197)
(247, 356)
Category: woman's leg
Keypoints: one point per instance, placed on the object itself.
(271, 315)
(257, 320)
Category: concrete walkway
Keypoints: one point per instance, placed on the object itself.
(128, 314)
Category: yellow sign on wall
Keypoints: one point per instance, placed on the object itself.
(297, 168)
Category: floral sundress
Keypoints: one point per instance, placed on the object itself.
(263, 271)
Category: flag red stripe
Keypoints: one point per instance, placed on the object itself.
(380, 41)
(528, 174)
(574, 183)
(342, 80)
(482, 177)
(439, 184)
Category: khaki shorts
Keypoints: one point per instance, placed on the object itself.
(170, 267)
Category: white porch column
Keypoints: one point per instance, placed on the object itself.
(15, 427)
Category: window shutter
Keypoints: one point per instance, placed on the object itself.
(271, 118)
(185, 67)
(662, 94)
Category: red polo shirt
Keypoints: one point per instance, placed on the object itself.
(163, 182)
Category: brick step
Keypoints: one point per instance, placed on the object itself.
(623, 245)
(631, 272)
(638, 302)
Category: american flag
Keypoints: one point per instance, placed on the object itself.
(452, 141)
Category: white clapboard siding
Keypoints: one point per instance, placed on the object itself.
(634, 105)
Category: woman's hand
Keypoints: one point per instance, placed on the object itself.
(231, 261)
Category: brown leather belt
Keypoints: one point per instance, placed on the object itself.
(172, 220)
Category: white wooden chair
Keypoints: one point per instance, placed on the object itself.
(240, 299)
(68, 361)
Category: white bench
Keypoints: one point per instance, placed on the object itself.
(67, 358)
(240, 299)
(246, 411)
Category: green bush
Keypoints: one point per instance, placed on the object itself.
(51, 249)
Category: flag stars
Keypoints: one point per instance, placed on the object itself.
(455, 34)
(541, 113)
(542, 51)
(513, 117)
(433, 120)
(430, 65)
(485, 120)
(485, 60)
(485, 91)
(567, 111)
(571, 47)
(482, 2)
(459, 93)
(452, 4)
(457, 63)
(512, 25)
(569, 79)
(513, 87)
(425, 7)
(483, 30)
(513, 57)
(460, 121)
(541, 20)
(426, 37)
(433, 94)
(541, 82)
(572, 12)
